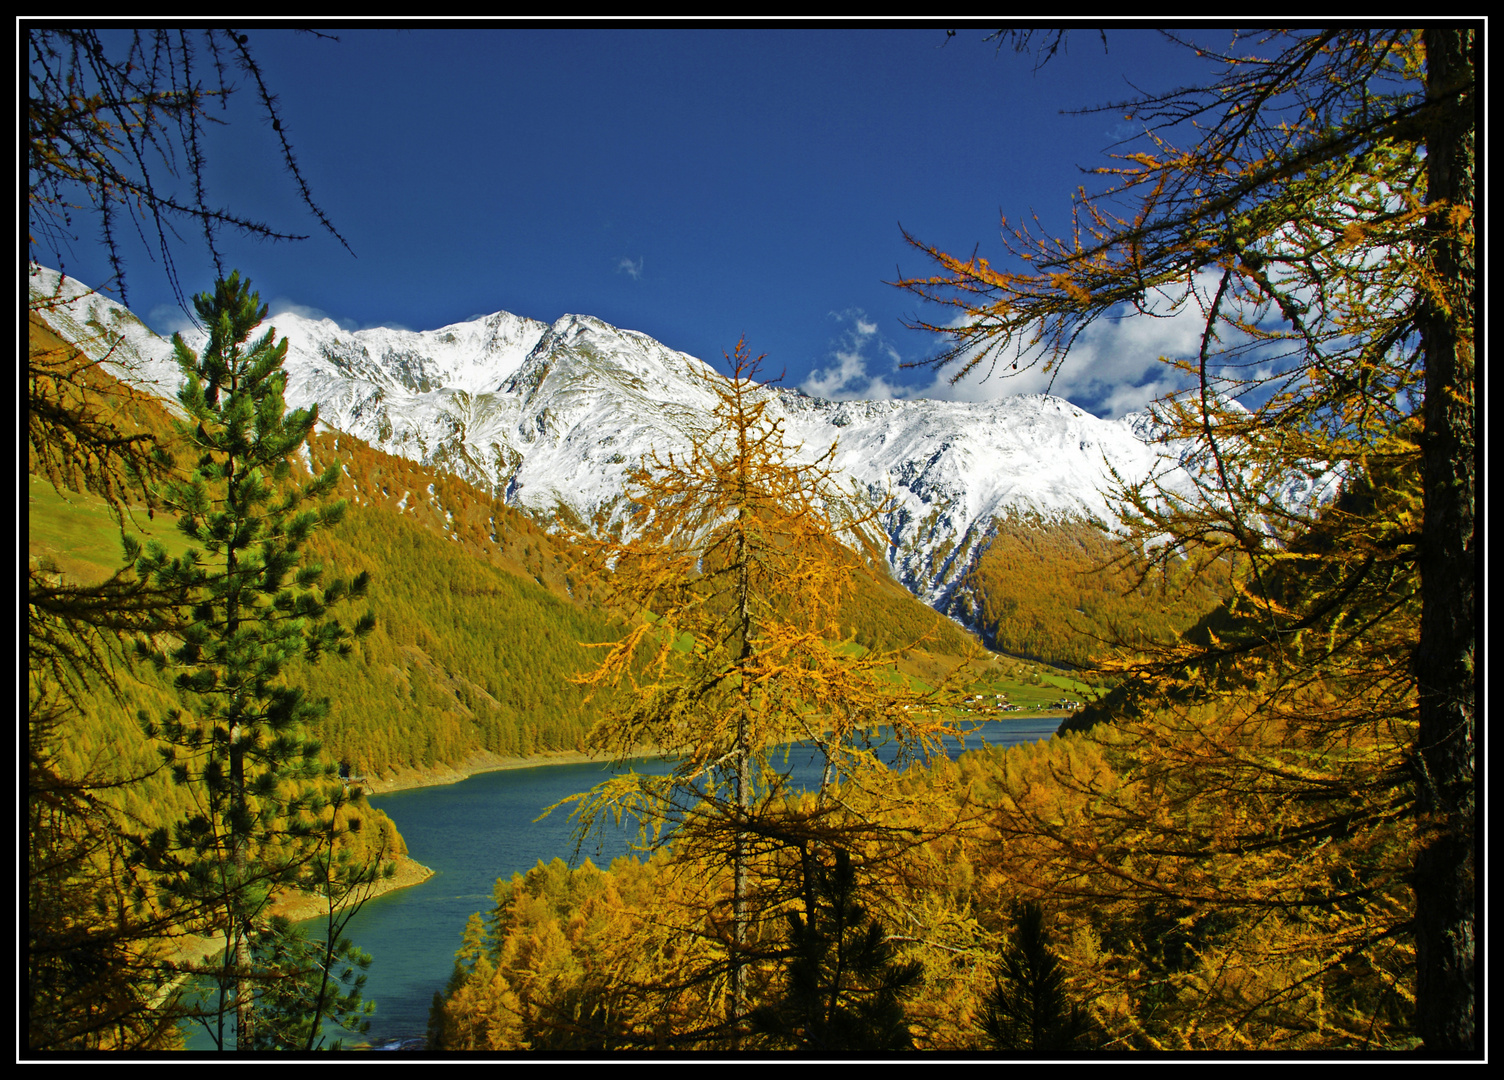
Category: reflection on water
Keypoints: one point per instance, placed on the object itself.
(484, 828)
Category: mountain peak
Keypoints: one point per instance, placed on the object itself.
(552, 416)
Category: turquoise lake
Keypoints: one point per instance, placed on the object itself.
(481, 829)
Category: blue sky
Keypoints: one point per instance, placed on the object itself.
(696, 185)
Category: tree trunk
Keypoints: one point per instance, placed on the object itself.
(244, 994)
(739, 886)
(1445, 917)
(743, 747)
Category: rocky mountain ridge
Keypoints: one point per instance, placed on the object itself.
(551, 418)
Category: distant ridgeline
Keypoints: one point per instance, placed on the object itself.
(481, 612)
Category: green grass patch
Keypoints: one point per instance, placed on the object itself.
(77, 533)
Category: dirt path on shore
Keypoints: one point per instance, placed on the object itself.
(298, 906)
(482, 762)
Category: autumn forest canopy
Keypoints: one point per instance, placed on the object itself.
(1259, 835)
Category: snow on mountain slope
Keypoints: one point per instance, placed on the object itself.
(104, 330)
(954, 467)
(551, 418)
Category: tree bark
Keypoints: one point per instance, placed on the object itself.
(1446, 916)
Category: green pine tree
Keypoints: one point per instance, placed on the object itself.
(307, 980)
(843, 984)
(266, 805)
(1028, 1009)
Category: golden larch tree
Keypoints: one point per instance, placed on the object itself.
(1311, 204)
(732, 565)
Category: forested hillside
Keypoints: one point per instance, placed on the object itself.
(1262, 836)
(1060, 592)
(1130, 950)
(468, 655)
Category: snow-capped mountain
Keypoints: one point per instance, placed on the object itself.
(550, 418)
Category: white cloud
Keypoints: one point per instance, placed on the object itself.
(168, 319)
(845, 376)
(281, 305)
(1113, 367)
(625, 265)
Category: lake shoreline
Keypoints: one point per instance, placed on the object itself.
(485, 761)
(491, 832)
(303, 906)
(481, 762)
(299, 907)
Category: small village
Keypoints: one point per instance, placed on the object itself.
(996, 703)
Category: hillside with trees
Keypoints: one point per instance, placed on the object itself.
(1060, 592)
(1310, 203)
(466, 588)
(482, 619)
